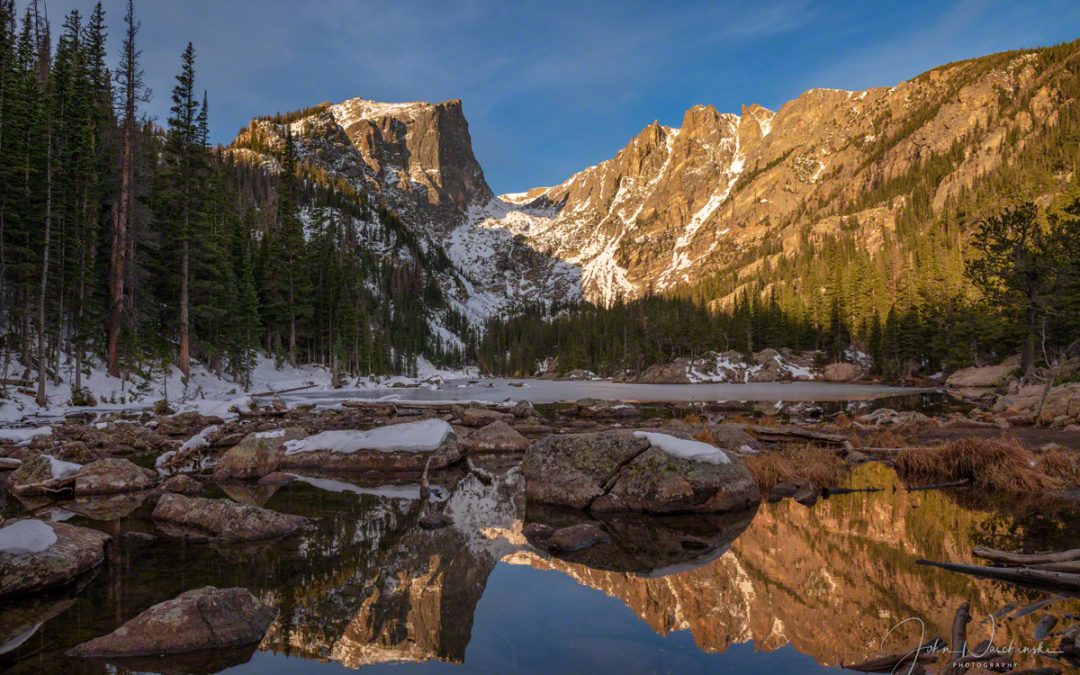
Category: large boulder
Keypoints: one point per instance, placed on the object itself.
(223, 518)
(666, 373)
(46, 475)
(35, 554)
(390, 449)
(643, 471)
(255, 456)
(112, 476)
(1062, 402)
(982, 376)
(496, 437)
(481, 417)
(841, 372)
(202, 619)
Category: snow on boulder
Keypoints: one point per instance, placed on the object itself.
(422, 436)
(26, 536)
(645, 471)
(32, 559)
(395, 448)
(687, 449)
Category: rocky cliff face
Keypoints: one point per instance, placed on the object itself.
(723, 193)
(728, 192)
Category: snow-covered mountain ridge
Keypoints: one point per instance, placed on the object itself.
(720, 194)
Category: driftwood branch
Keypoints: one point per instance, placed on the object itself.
(272, 392)
(1009, 558)
(1024, 576)
(778, 434)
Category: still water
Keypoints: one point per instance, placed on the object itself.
(779, 589)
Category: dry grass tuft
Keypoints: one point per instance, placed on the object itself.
(693, 419)
(1001, 466)
(797, 463)
(883, 438)
(705, 436)
(1062, 464)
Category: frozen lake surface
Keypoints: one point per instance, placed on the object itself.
(553, 391)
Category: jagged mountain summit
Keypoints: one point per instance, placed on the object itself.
(416, 160)
(722, 194)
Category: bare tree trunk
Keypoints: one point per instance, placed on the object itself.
(116, 283)
(42, 368)
(184, 362)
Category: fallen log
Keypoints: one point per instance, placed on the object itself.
(271, 392)
(1072, 567)
(9, 463)
(1034, 607)
(959, 637)
(829, 492)
(1023, 576)
(1010, 558)
(939, 486)
(778, 434)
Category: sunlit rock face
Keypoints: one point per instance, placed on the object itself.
(722, 192)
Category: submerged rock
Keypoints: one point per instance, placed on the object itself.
(183, 485)
(576, 538)
(636, 471)
(205, 618)
(225, 519)
(35, 555)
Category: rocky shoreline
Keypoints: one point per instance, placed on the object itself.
(593, 473)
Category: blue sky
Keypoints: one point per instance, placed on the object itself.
(550, 88)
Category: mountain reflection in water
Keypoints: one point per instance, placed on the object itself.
(785, 589)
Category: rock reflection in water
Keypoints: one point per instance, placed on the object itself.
(367, 586)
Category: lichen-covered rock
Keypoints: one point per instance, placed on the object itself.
(255, 456)
(622, 471)
(37, 564)
(496, 437)
(202, 619)
(224, 519)
(112, 476)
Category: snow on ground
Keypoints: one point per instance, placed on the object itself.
(680, 447)
(422, 436)
(23, 436)
(206, 393)
(26, 536)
